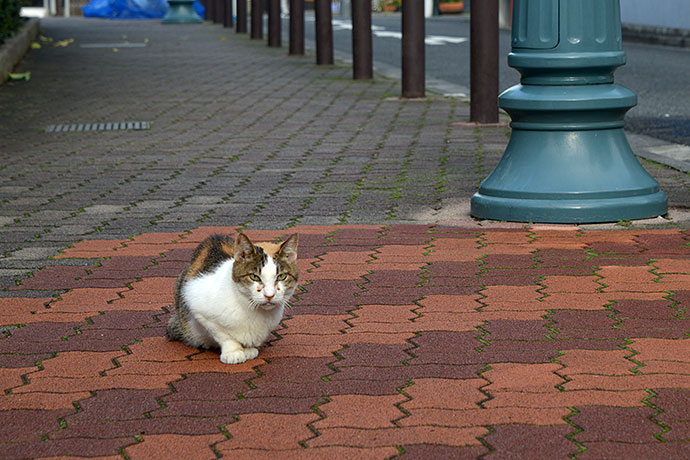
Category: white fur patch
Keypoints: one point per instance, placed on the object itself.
(227, 314)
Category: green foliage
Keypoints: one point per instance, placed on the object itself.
(10, 21)
(388, 5)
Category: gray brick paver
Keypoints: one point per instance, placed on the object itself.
(240, 135)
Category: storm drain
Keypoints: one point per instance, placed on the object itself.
(113, 45)
(77, 127)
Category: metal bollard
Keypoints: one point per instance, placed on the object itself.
(297, 27)
(568, 160)
(413, 58)
(324, 32)
(257, 31)
(208, 10)
(274, 23)
(241, 27)
(219, 11)
(484, 62)
(362, 50)
(227, 17)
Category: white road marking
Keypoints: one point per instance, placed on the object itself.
(381, 32)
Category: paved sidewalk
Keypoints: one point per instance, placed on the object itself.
(416, 332)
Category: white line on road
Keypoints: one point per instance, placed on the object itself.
(381, 32)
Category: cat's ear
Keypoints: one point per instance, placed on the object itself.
(243, 249)
(288, 250)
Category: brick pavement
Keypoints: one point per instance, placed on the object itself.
(407, 337)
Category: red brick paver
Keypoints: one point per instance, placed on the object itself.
(402, 340)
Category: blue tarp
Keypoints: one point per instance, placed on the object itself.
(131, 9)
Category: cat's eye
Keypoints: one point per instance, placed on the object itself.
(282, 277)
(254, 277)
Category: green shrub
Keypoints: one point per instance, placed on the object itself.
(10, 21)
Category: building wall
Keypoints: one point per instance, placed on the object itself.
(656, 13)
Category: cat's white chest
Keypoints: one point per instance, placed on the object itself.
(220, 311)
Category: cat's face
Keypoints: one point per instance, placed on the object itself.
(266, 273)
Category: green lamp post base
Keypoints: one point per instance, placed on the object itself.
(181, 12)
(568, 160)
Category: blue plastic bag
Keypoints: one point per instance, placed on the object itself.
(126, 9)
(199, 8)
(132, 9)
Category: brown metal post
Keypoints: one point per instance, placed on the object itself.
(362, 61)
(219, 11)
(484, 62)
(208, 11)
(413, 58)
(241, 27)
(274, 23)
(257, 31)
(227, 17)
(297, 27)
(324, 32)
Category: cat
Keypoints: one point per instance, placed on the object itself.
(233, 294)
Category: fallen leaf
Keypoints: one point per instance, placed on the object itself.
(45, 39)
(116, 50)
(35, 45)
(64, 42)
(19, 76)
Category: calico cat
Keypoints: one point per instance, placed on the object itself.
(233, 294)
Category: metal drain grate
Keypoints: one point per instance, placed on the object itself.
(113, 45)
(78, 127)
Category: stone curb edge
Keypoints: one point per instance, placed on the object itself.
(14, 48)
(656, 35)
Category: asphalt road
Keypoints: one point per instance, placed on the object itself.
(658, 74)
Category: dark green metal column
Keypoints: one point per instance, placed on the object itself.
(568, 160)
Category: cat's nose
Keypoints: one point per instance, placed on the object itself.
(269, 297)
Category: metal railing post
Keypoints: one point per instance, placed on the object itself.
(257, 31)
(227, 17)
(362, 63)
(274, 23)
(324, 32)
(413, 58)
(241, 26)
(484, 62)
(219, 11)
(297, 27)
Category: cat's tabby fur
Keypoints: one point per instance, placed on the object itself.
(233, 294)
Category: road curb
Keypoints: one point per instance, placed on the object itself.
(657, 35)
(14, 49)
(676, 156)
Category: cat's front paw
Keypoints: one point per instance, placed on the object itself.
(251, 353)
(233, 357)
(238, 356)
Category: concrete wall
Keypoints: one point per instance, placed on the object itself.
(673, 14)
